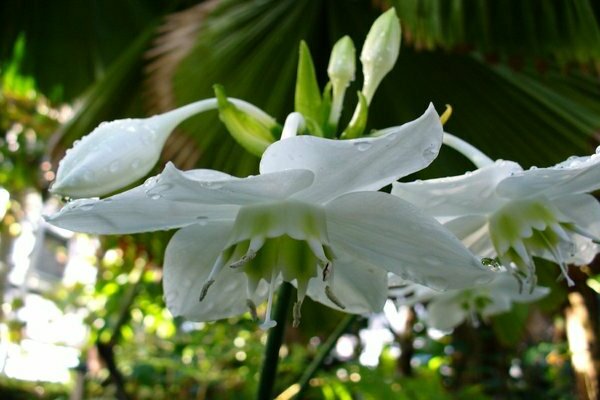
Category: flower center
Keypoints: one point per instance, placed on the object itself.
(285, 239)
(523, 228)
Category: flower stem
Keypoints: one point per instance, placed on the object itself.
(323, 352)
(269, 370)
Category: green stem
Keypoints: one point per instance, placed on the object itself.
(269, 370)
(323, 352)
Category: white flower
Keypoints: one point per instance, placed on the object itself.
(502, 209)
(311, 218)
(447, 310)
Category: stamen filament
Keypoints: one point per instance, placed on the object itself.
(211, 277)
(293, 123)
(475, 155)
(269, 323)
(559, 259)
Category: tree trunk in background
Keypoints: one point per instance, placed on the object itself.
(582, 327)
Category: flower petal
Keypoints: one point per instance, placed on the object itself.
(359, 286)
(177, 185)
(342, 166)
(583, 210)
(134, 211)
(468, 194)
(189, 259)
(392, 234)
(576, 175)
(472, 230)
(445, 312)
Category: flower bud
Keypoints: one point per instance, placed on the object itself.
(113, 155)
(253, 134)
(342, 63)
(380, 51)
(341, 71)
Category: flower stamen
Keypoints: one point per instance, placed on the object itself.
(269, 323)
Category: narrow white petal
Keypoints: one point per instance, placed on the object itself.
(468, 194)
(342, 166)
(583, 210)
(177, 185)
(392, 234)
(576, 175)
(134, 211)
(189, 259)
(445, 313)
(472, 230)
(360, 287)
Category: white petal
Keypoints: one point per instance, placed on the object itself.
(505, 290)
(472, 230)
(342, 166)
(176, 185)
(576, 175)
(189, 258)
(468, 194)
(584, 211)
(359, 286)
(134, 211)
(445, 313)
(392, 234)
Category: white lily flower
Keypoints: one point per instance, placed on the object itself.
(311, 218)
(447, 310)
(517, 214)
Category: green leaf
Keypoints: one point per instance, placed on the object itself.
(307, 100)
(358, 123)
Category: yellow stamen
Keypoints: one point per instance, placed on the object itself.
(446, 114)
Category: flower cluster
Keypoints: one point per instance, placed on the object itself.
(315, 216)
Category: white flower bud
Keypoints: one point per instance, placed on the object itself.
(112, 156)
(118, 153)
(342, 63)
(380, 51)
(341, 71)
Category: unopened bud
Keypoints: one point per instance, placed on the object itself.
(113, 155)
(380, 51)
(341, 71)
(253, 134)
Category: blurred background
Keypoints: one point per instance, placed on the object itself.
(83, 317)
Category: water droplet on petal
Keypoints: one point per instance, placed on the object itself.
(363, 145)
(155, 196)
(150, 182)
(202, 220)
(135, 164)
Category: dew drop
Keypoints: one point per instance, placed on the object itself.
(135, 164)
(150, 182)
(155, 196)
(363, 146)
(202, 220)
(102, 124)
(131, 128)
